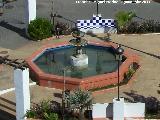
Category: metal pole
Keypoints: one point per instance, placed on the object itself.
(97, 8)
(118, 75)
(64, 75)
(64, 87)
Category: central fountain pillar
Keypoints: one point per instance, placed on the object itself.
(79, 61)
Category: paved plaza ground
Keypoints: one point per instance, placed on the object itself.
(13, 40)
(12, 27)
(145, 82)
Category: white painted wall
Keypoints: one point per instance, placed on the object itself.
(100, 30)
(30, 11)
(99, 110)
(21, 81)
(134, 109)
(12, 89)
(118, 110)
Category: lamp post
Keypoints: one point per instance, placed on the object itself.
(119, 52)
(97, 10)
(97, 7)
(64, 89)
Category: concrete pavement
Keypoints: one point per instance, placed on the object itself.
(12, 33)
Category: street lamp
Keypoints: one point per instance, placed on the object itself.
(119, 52)
(97, 7)
(65, 69)
(97, 11)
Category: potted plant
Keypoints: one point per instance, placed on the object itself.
(79, 100)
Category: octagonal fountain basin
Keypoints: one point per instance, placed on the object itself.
(47, 66)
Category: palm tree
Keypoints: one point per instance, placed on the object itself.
(123, 17)
(80, 100)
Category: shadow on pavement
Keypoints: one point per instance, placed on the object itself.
(7, 109)
(152, 104)
(6, 116)
(150, 54)
(8, 26)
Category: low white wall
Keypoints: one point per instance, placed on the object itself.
(134, 109)
(102, 110)
(12, 89)
(97, 25)
(118, 110)
(99, 30)
(30, 11)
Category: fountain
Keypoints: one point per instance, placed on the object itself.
(90, 64)
(79, 59)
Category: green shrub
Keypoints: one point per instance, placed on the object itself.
(44, 110)
(39, 29)
(64, 28)
(123, 17)
(148, 26)
(79, 100)
(30, 114)
(131, 27)
(129, 73)
(51, 116)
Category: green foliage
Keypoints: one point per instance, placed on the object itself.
(64, 28)
(39, 29)
(50, 116)
(148, 26)
(45, 106)
(80, 99)
(45, 110)
(30, 114)
(124, 17)
(129, 73)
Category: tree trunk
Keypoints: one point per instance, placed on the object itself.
(81, 114)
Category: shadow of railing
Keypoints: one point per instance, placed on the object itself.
(147, 53)
(5, 100)
(8, 26)
(152, 104)
(58, 95)
(6, 116)
(7, 110)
